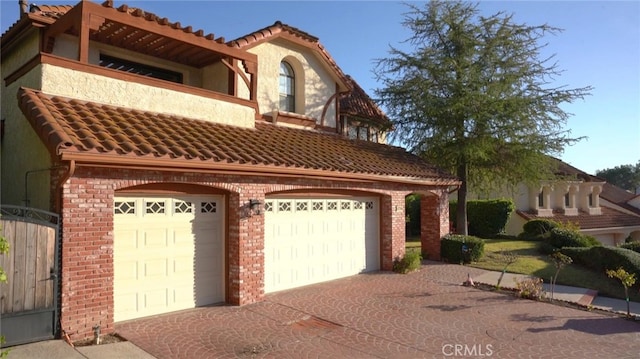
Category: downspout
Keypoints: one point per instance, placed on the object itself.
(63, 180)
(26, 182)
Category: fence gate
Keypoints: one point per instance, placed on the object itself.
(29, 299)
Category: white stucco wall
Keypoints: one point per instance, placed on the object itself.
(318, 84)
(84, 86)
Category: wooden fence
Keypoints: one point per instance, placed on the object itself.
(29, 265)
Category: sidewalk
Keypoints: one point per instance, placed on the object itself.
(59, 349)
(582, 296)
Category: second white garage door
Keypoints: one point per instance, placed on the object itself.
(168, 254)
(312, 240)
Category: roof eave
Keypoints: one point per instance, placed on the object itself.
(202, 166)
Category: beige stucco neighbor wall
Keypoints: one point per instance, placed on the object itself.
(317, 83)
(17, 57)
(22, 150)
(83, 86)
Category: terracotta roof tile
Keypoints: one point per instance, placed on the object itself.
(70, 127)
(566, 170)
(610, 218)
(619, 196)
(358, 104)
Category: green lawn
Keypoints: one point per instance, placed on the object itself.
(532, 262)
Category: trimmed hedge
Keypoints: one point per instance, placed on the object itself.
(410, 262)
(562, 237)
(487, 218)
(538, 227)
(601, 258)
(451, 248)
(634, 246)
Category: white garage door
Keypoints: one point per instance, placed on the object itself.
(313, 240)
(168, 254)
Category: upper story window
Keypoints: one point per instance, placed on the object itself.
(287, 88)
(140, 69)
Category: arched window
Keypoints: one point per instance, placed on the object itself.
(287, 88)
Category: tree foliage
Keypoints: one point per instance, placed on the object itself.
(625, 176)
(474, 96)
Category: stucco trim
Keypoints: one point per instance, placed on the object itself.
(125, 76)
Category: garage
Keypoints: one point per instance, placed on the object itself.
(312, 240)
(168, 253)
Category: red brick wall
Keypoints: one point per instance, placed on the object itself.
(434, 222)
(87, 240)
(87, 256)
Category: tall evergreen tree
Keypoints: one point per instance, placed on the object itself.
(625, 176)
(474, 96)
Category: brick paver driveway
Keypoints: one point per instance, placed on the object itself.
(425, 314)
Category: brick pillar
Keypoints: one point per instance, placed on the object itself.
(246, 249)
(392, 230)
(87, 257)
(434, 222)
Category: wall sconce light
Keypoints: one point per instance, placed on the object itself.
(255, 206)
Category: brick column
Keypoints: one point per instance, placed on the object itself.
(392, 229)
(434, 222)
(87, 257)
(246, 249)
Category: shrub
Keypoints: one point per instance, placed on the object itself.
(561, 237)
(410, 262)
(530, 288)
(452, 245)
(634, 246)
(601, 258)
(538, 227)
(546, 248)
(487, 218)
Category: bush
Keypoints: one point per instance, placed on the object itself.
(546, 248)
(487, 218)
(452, 245)
(410, 262)
(561, 237)
(539, 227)
(530, 288)
(601, 258)
(634, 246)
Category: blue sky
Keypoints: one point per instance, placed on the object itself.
(600, 47)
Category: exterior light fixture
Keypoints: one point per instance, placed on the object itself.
(255, 206)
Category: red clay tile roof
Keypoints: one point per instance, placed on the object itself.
(280, 29)
(80, 130)
(566, 170)
(619, 197)
(610, 218)
(358, 104)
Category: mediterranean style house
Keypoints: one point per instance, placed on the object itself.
(599, 209)
(188, 170)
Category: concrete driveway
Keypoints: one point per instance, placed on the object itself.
(425, 314)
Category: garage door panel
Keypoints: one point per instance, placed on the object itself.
(168, 254)
(155, 238)
(329, 239)
(155, 269)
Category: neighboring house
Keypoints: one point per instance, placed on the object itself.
(189, 170)
(604, 211)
